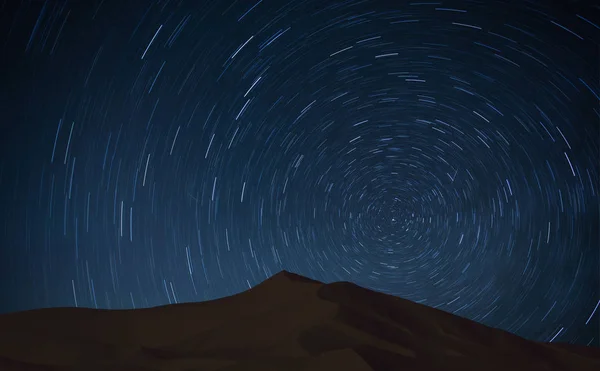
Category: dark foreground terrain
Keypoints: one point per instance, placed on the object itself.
(286, 323)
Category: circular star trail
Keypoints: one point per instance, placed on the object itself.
(174, 151)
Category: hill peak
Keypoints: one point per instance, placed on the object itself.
(293, 277)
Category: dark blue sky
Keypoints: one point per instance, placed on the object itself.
(174, 151)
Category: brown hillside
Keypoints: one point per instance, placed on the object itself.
(288, 322)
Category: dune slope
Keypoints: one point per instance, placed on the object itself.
(288, 322)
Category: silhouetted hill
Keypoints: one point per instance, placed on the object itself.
(288, 322)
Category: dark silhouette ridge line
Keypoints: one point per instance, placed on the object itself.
(281, 276)
(296, 277)
(286, 322)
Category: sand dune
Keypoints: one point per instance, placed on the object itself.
(286, 323)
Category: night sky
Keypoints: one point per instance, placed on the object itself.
(176, 151)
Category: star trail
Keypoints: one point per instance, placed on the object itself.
(177, 151)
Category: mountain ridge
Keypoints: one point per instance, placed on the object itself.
(287, 322)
